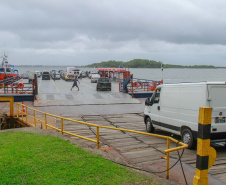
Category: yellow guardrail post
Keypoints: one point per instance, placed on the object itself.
(11, 101)
(45, 120)
(26, 114)
(34, 118)
(98, 138)
(17, 110)
(62, 126)
(206, 155)
(22, 114)
(168, 157)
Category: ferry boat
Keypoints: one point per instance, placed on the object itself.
(7, 70)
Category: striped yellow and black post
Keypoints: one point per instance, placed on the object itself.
(206, 155)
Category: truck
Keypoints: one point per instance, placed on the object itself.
(103, 84)
(175, 108)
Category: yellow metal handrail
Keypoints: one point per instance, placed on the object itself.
(25, 113)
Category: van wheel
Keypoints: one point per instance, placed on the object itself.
(188, 138)
(149, 126)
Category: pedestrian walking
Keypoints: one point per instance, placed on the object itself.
(54, 76)
(75, 83)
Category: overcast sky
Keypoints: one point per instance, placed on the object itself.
(81, 32)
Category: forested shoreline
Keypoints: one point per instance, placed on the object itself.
(144, 63)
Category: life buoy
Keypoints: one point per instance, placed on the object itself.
(134, 84)
(20, 85)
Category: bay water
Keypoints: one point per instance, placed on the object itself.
(169, 75)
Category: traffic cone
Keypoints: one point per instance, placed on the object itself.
(23, 107)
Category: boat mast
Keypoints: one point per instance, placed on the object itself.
(4, 60)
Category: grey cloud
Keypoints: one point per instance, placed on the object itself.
(116, 29)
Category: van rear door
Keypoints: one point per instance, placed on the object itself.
(217, 100)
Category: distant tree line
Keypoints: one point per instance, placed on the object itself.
(143, 63)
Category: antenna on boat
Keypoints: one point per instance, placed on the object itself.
(162, 71)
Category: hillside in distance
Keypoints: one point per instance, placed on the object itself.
(143, 63)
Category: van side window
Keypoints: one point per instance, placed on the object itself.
(157, 96)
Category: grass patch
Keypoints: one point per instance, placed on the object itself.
(30, 158)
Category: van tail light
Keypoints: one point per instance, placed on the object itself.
(97, 83)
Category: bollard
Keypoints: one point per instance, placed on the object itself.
(206, 155)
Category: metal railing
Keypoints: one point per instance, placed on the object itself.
(12, 86)
(27, 112)
(136, 85)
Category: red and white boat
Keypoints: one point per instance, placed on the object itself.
(7, 70)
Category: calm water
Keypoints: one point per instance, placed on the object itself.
(169, 75)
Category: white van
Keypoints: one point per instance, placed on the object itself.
(175, 108)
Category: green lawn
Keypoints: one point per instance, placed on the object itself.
(28, 158)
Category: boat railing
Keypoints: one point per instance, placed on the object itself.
(140, 85)
(12, 85)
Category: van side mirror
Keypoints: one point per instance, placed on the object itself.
(149, 102)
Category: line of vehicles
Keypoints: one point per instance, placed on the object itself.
(56, 74)
(68, 75)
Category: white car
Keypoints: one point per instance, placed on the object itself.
(38, 74)
(94, 78)
(57, 76)
(90, 74)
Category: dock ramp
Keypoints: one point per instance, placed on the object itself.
(83, 98)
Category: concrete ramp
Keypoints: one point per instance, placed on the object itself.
(84, 98)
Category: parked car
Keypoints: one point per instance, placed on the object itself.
(68, 75)
(103, 84)
(57, 76)
(30, 76)
(91, 73)
(24, 75)
(175, 108)
(83, 74)
(94, 78)
(52, 72)
(45, 75)
(60, 71)
(38, 74)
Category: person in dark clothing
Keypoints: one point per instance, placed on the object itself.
(54, 76)
(75, 83)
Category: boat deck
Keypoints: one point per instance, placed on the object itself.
(58, 93)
